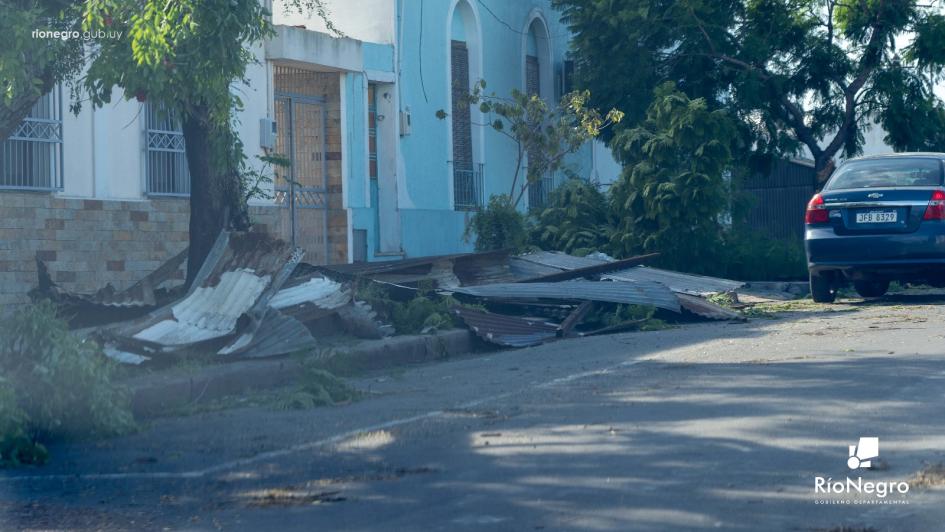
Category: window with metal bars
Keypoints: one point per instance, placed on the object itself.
(167, 172)
(31, 158)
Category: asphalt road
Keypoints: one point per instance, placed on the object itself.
(712, 426)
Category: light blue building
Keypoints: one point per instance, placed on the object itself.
(426, 176)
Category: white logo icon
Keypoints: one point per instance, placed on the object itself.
(862, 453)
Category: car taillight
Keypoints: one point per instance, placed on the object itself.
(936, 208)
(816, 211)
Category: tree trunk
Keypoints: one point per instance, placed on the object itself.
(214, 186)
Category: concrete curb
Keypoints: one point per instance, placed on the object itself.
(153, 395)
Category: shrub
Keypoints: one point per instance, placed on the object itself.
(672, 192)
(574, 221)
(55, 384)
(499, 226)
(755, 256)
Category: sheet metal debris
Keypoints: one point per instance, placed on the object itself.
(509, 331)
(684, 283)
(241, 274)
(635, 293)
(441, 271)
(108, 304)
(707, 309)
(278, 335)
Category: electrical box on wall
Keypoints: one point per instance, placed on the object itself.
(267, 133)
(405, 122)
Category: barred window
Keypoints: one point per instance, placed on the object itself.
(167, 172)
(32, 157)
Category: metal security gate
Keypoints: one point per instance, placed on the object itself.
(302, 188)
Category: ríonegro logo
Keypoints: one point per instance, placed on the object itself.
(858, 491)
(861, 454)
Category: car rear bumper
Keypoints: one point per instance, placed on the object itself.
(920, 253)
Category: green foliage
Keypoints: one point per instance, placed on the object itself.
(30, 67)
(813, 73)
(641, 317)
(753, 256)
(672, 193)
(499, 226)
(54, 384)
(425, 313)
(575, 220)
(317, 387)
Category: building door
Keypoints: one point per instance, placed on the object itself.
(302, 188)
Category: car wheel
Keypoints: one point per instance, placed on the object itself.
(871, 288)
(822, 289)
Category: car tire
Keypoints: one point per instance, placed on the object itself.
(871, 288)
(822, 288)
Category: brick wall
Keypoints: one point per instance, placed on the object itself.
(88, 243)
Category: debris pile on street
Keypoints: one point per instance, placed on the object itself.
(254, 297)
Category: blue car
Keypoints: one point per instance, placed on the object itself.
(878, 219)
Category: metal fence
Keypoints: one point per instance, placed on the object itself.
(31, 159)
(539, 192)
(778, 199)
(467, 189)
(167, 172)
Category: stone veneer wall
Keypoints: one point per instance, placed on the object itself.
(88, 243)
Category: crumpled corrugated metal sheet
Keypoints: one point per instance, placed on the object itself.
(208, 312)
(686, 283)
(707, 309)
(278, 334)
(108, 305)
(508, 331)
(628, 293)
(443, 270)
(561, 261)
(319, 291)
(242, 272)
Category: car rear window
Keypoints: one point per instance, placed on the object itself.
(898, 172)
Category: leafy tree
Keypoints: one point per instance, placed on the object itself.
(576, 220)
(795, 73)
(31, 67)
(185, 56)
(543, 135)
(672, 191)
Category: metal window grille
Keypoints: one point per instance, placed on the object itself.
(467, 189)
(372, 131)
(31, 159)
(167, 172)
(539, 192)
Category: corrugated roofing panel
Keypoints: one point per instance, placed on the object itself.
(707, 309)
(686, 283)
(278, 334)
(509, 331)
(319, 291)
(208, 312)
(629, 293)
(561, 261)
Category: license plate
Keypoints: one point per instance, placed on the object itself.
(876, 217)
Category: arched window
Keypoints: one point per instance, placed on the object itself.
(464, 54)
(538, 78)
